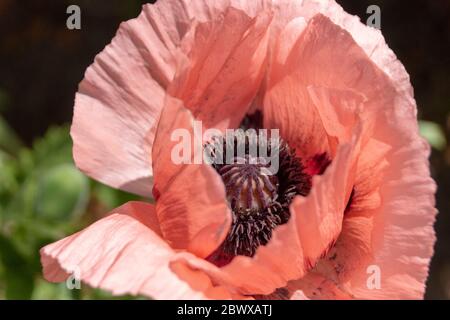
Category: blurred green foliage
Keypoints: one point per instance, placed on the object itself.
(434, 134)
(43, 198)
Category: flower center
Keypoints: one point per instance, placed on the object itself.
(259, 198)
(249, 187)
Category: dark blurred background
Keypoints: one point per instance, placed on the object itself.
(41, 64)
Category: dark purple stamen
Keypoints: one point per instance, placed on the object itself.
(259, 202)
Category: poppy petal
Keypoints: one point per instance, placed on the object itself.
(125, 254)
(191, 200)
(223, 69)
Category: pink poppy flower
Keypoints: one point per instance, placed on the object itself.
(353, 191)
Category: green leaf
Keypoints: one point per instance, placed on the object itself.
(62, 194)
(54, 148)
(433, 133)
(19, 279)
(51, 291)
(8, 179)
(21, 204)
(43, 187)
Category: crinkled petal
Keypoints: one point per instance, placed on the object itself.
(118, 104)
(119, 101)
(123, 90)
(394, 155)
(124, 253)
(316, 287)
(315, 93)
(354, 90)
(402, 236)
(289, 108)
(191, 200)
(223, 67)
